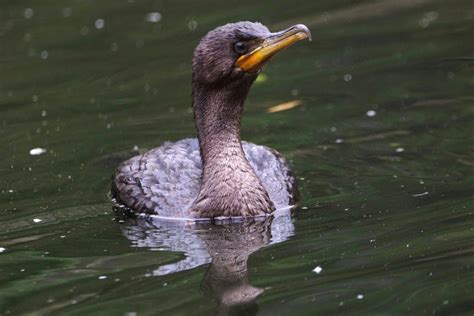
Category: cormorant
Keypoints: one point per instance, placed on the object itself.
(216, 175)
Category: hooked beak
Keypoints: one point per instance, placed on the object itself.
(276, 42)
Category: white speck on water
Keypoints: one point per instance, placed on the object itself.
(400, 150)
(339, 141)
(360, 296)
(37, 151)
(420, 194)
(63, 236)
(445, 302)
(2, 249)
(102, 277)
(165, 284)
(99, 24)
(333, 129)
(153, 17)
(28, 14)
(37, 220)
(10, 191)
(43, 113)
(318, 270)
(130, 314)
(67, 12)
(408, 245)
(371, 113)
(304, 208)
(192, 25)
(347, 77)
(44, 54)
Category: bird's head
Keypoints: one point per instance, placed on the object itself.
(238, 50)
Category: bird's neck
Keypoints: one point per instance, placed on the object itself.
(229, 185)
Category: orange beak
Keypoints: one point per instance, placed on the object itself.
(276, 42)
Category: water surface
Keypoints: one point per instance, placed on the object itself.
(380, 137)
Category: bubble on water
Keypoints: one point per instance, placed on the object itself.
(37, 151)
(43, 113)
(44, 54)
(192, 25)
(67, 12)
(102, 277)
(339, 141)
(371, 113)
(347, 77)
(400, 150)
(2, 249)
(360, 296)
(318, 269)
(153, 17)
(99, 24)
(37, 220)
(333, 129)
(28, 14)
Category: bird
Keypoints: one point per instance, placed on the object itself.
(216, 175)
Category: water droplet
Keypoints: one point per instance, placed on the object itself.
(360, 296)
(37, 151)
(99, 24)
(339, 141)
(318, 269)
(102, 277)
(37, 220)
(347, 77)
(399, 150)
(153, 17)
(371, 113)
(44, 54)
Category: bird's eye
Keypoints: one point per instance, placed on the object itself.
(240, 47)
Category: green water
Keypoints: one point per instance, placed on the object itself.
(386, 196)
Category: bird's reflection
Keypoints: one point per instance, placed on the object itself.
(225, 245)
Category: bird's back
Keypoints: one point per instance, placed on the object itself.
(165, 181)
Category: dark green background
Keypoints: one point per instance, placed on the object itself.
(105, 91)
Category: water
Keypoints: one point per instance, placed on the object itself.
(377, 122)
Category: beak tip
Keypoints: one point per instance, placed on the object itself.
(303, 28)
